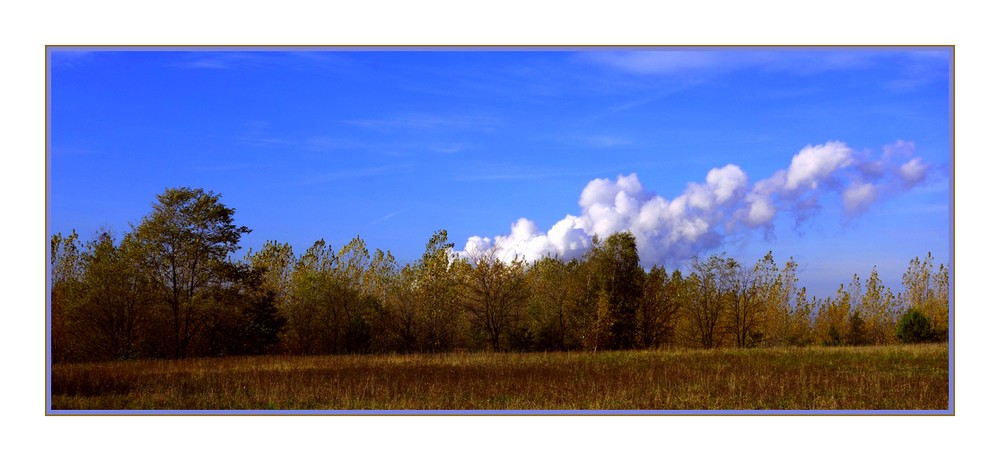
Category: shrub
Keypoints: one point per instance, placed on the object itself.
(856, 334)
(834, 339)
(914, 327)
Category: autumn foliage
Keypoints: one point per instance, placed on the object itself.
(174, 286)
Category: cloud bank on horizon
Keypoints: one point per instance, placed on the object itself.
(725, 204)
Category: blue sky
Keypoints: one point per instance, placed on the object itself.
(393, 145)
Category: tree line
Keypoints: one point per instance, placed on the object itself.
(174, 287)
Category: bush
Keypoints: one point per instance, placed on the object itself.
(914, 327)
(834, 337)
(856, 334)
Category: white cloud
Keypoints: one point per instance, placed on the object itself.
(913, 172)
(910, 173)
(726, 182)
(815, 163)
(760, 211)
(858, 196)
(706, 213)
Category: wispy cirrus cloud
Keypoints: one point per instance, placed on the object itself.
(278, 58)
(352, 173)
(708, 61)
(386, 217)
(602, 141)
(218, 60)
(328, 143)
(668, 61)
(448, 148)
(428, 121)
(524, 173)
(919, 69)
(261, 135)
(72, 57)
(265, 141)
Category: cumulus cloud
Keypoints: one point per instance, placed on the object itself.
(815, 163)
(725, 203)
(913, 172)
(858, 196)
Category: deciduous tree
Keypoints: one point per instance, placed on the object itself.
(800, 330)
(876, 311)
(660, 303)
(274, 262)
(927, 291)
(493, 293)
(438, 313)
(548, 303)
(185, 239)
(244, 318)
(707, 298)
(752, 291)
(619, 277)
(782, 317)
(116, 300)
(832, 318)
(66, 268)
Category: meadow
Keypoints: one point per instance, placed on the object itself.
(904, 377)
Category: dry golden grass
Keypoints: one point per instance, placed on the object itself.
(864, 378)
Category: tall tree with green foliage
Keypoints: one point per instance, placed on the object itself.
(927, 291)
(876, 309)
(619, 278)
(781, 319)
(377, 288)
(752, 291)
(832, 318)
(918, 284)
(244, 317)
(493, 293)
(658, 308)
(547, 303)
(360, 308)
(117, 300)
(560, 310)
(315, 321)
(707, 299)
(185, 239)
(403, 310)
(940, 317)
(436, 290)
(66, 266)
(274, 261)
(800, 330)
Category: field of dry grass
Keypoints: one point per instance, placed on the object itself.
(862, 378)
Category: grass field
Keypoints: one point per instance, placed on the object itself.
(862, 378)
